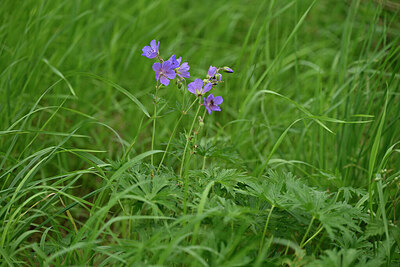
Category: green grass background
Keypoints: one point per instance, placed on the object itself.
(315, 93)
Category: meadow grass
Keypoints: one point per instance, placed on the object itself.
(300, 168)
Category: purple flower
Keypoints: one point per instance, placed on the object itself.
(196, 87)
(164, 72)
(213, 75)
(211, 103)
(152, 50)
(183, 70)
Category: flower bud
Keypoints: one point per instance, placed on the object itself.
(179, 83)
(201, 122)
(227, 69)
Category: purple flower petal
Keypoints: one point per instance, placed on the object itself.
(215, 108)
(183, 70)
(170, 74)
(157, 66)
(184, 74)
(146, 51)
(184, 67)
(191, 88)
(206, 106)
(157, 69)
(211, 71)
(207, 88)
(198, 84)
(218, 100)
(164, 81)
(211, 103)
(167, 70)
(154, 45)
(174, 62)
(166, 65)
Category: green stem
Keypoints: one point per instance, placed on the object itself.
(204, 163)
(187, 141)
(130, 224)
(154, 123)
(173, 134)
(308, 230)
(370, 198)
(320, 228)
(265, 229)
(185, 161)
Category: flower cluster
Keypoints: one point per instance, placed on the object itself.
(172, 68)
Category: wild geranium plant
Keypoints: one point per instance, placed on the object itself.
(173, 68)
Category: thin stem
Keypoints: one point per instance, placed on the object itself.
(169, 142)
(130, 224)
(154, 122)
(191, 105)
(370, 198)
(185, 161)
(198, 131)
(308, 230)
(173, 134)
(187, 141)
(204, 163)
(320, 228)
(265, 229)
(202, 120)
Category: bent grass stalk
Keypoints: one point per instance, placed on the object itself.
(265, 229)
(320, 228)
(306, 234)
